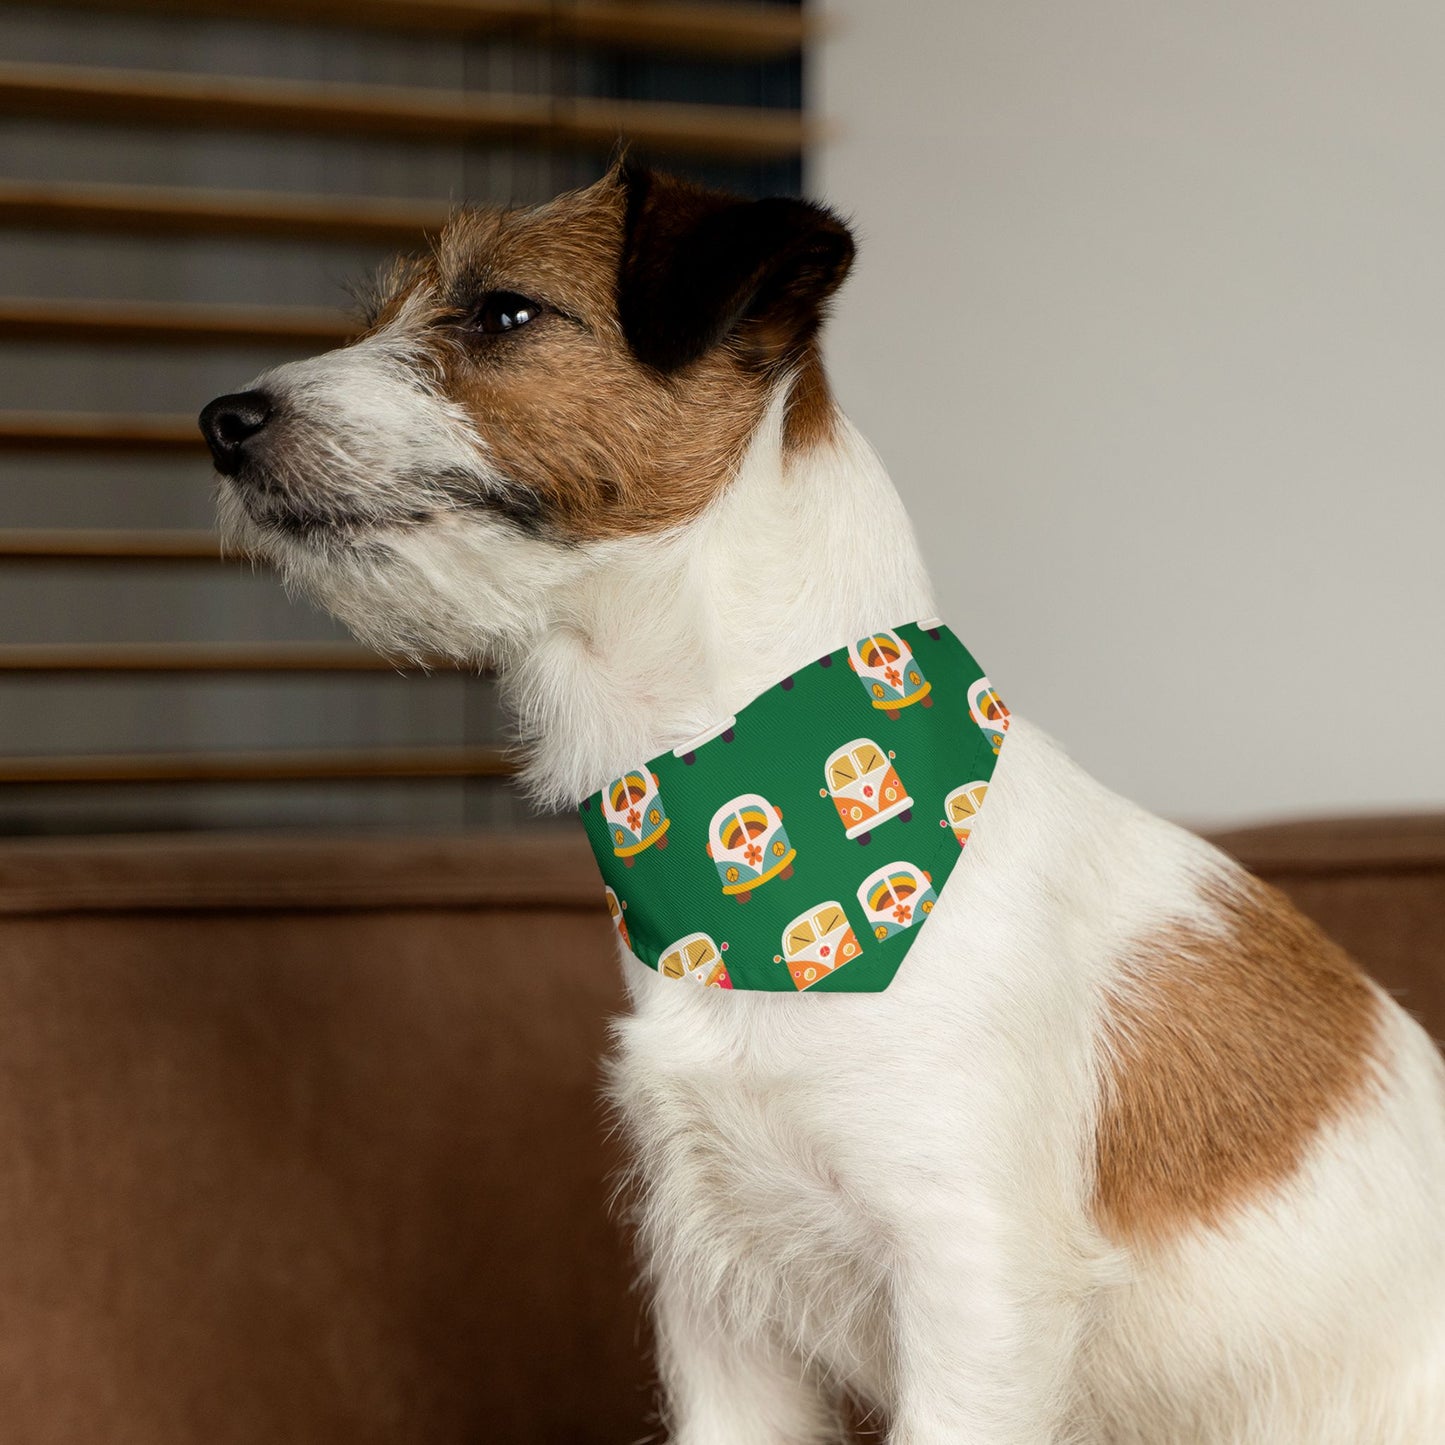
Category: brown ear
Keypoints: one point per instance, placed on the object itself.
(699, 266)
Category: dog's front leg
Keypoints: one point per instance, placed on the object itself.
(985, 1337)
(722, 1388)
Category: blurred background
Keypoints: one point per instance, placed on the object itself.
(1149, 324)
(187, 193)
(302, 1010)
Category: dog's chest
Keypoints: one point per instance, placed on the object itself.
(750, 1180)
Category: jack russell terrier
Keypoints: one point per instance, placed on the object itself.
(1122, 1150)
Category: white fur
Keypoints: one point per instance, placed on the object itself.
(889, 1194)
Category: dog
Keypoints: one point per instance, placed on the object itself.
(1127, 1152)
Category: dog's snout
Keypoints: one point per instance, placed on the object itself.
(229, 422)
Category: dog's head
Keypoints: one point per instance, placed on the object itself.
(544, 383)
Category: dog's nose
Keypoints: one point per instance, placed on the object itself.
(229, 422)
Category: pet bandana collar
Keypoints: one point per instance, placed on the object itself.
(803, 843)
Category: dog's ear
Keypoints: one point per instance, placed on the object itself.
(700, 266)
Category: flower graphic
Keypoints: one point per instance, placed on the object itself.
(903, 913)
(634, 819)
(753, 855)
(893, 676)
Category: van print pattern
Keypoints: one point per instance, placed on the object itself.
(988, 712)
(634, 812)
(865, 788)
(961, 807)
(896, 897)
(749, 844)
(616, 908)
(737, 871)
(816, 943)
(695, 957)
(888, 669)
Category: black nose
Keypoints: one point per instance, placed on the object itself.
(229, 422)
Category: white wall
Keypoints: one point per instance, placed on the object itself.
(1149, 324)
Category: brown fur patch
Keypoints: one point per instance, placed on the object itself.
(1226, 1054)
(812, 415)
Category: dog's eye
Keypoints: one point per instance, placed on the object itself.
(504, 311)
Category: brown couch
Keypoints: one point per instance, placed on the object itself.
(302, 1140)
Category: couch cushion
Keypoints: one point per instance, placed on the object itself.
(1375, 885)
(303, 1142)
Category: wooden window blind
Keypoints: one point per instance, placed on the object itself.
(186, 186)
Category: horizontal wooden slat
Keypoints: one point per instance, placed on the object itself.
(84, 431)
(331, 765)
(221, 102)
(1359, 844)
(133, 657)
(175, 211)
(172, 323)
(549, 868)
(756, 32)
(80, 544)
(706, 28)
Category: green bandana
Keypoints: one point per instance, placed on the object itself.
(803, 843)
